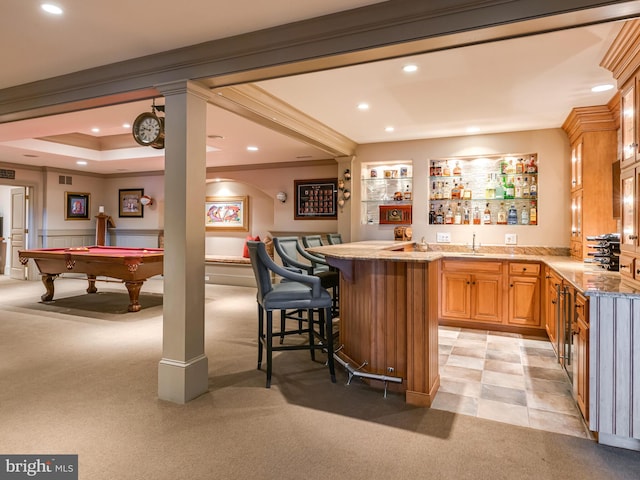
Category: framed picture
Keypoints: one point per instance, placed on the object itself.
(129, 202)
(316, 199)
(226, 213)
(76, 206)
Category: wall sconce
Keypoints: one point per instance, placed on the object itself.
(146, 200)
(345, 193)
(282, 196)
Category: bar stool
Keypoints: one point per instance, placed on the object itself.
(334, 238)
(299, 292)
(289, 250)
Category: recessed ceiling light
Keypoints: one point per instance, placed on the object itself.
(389, 129)
(602, 88)
(363, 106)
(126, 125)
(51, 8)
(473, 129)
(410, 68)
(81, 162)
(95, 129)
(252, 148)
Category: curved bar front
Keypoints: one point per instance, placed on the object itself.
(388, 315)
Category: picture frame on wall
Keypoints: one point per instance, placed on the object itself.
(129, 204)
(76, 206)
(316, 199)
(227, 213)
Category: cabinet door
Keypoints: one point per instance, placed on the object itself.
(486, 298)
(581, 357)
(455, 302)
(629, 240)
(524, 301)
(628, 125)
(551, 312)
(576, 166)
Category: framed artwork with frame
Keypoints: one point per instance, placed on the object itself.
(76, 206)
(316, 199)
(129, 202)
(227, 213)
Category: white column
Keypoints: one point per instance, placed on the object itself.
(183, 370)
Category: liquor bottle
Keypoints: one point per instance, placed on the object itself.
(466, 213)
(440, 215)
(524, 216)
(432, 214)
(455, 191)
(532, 166)
(446, 171)
(520, 165)
(407, 193)
(533, 214)
(533, 188)
(448, 218)
(499, 189)
(502, 215)
(509, 189)
(518, 188)
(457, 170)
(461, 187)
(432, 169)
(490, 188)
(511, 168)
(467, 192)
(512, 216)
(457, 216)
(525, 188)
(446, 191)
(434, 191)
(476, 216)
(486, 217)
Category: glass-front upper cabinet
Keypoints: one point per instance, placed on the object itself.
(628, 127)
(576, 166)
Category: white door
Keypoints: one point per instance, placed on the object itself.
(18, 231)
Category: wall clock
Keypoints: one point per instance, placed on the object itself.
(148, 130)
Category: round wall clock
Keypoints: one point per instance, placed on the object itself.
(148, 130)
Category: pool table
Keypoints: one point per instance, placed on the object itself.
(131, 265)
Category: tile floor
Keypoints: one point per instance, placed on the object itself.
(508, 378)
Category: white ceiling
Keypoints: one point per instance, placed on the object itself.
(518, 84)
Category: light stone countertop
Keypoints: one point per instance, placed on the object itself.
(588, 278)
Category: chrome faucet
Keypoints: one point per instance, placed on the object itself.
(473, 243)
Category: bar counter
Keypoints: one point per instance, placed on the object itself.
(389, 296)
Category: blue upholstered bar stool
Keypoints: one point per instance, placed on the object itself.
(290, 251)
(334, 238)
(300, 292)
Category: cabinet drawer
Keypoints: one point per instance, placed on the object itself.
(518, 268)
(471, 266)
(627, 266)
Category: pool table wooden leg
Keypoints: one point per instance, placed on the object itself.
(92, 284)
(47, 280)
(134, 294)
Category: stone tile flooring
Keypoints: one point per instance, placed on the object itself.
(508, 378)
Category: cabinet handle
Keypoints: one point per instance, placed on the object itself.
(547, 276)
(553, 301)
(511, 284)
(524, 269)
(633, 237)
(468, 283)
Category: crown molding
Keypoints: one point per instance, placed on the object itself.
(598, 118)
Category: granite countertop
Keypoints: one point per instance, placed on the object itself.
(590, 279)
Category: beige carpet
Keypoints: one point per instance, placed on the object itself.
(80, 378)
